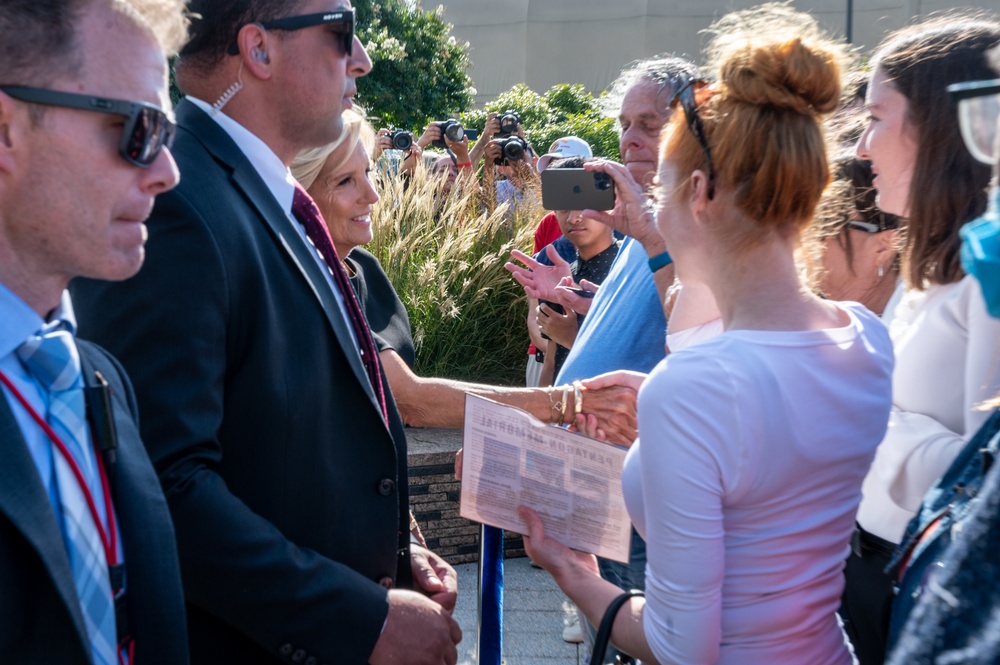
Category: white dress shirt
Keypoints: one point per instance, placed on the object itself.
(279, 181)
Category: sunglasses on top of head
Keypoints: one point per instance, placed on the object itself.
(147, 128)
(341, 22)
(685, 96)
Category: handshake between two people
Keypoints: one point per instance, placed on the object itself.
(633, 216)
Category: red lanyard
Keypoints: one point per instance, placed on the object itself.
(109, 539)
(110, 544)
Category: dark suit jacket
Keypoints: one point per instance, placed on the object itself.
(287, 489)
(40, 617)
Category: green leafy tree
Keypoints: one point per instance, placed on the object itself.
(565, 100)
(419, 71)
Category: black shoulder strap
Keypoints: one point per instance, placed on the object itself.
(604, 632)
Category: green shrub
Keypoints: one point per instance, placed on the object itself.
(565, 110)
(445, 257)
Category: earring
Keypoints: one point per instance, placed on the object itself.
(881, 272)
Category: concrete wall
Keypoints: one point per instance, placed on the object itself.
(545, 42)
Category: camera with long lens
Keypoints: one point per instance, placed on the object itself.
(509, 122)
(401, 139)
(512, 149)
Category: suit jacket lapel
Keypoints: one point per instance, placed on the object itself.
(248, 181)
(24, 501)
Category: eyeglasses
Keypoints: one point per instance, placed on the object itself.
(867, 227)
(686, 97)
(147, 129)
(341, 23)
(978, 111)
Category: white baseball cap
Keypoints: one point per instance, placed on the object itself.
(567, 146)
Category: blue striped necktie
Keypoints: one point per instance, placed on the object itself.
(51, 356)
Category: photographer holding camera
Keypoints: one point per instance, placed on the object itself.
(452, 137)
(508, 154)
(401, 140)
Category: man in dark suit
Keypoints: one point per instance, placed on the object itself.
(88, 562)
(284, 465)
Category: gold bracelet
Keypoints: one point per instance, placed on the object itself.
(578, 394)
(555, 408)
(565, 401)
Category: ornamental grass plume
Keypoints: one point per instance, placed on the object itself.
(444, 255)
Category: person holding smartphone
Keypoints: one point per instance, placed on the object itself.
(596, 249)
(747, 475)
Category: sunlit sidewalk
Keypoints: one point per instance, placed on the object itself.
(535, 613)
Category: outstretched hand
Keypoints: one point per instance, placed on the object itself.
(623, 378)
(609, 407)
(539, 281)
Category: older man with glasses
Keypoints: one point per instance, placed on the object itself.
(265, 408)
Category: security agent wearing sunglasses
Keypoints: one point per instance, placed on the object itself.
(281, 451)
(88, 558)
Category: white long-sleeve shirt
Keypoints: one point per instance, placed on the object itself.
(745, 482)
(947, 364)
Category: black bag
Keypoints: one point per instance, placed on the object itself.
(604, 632)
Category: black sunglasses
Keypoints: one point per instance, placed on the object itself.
(147, 129)
(883, 221)
(342, 23)
(686, 97)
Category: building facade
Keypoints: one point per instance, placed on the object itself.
(545, 42)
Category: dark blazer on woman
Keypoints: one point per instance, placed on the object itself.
(287, 489)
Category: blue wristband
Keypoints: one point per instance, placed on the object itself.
(660, 261)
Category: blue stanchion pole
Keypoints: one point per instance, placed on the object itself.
(489, 637)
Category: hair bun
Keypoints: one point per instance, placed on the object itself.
(790, 75)
(772, 55)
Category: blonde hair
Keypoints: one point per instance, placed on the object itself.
(308, 164)
(166, 20)
(778, 75)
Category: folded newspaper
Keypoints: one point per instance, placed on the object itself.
(573, 482)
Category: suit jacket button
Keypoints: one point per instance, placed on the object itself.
(386, 486)
(386, 582)
(285, 649)
(298, 656)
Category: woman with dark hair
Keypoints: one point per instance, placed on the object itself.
(949, 598)
(746, 477)
(859, 242)
(947, 347)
